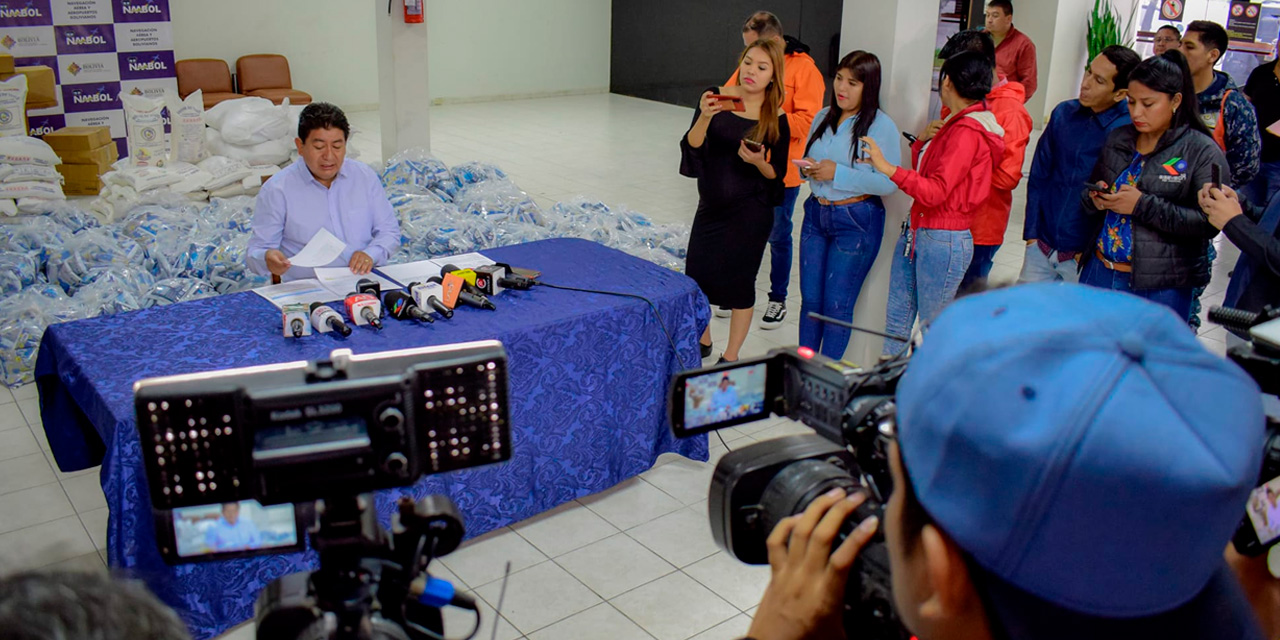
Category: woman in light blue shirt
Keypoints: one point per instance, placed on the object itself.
(844, 218)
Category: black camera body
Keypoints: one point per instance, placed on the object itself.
(851, 409)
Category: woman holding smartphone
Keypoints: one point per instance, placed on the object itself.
(844, 218)
(1152, 239)
(737, 149)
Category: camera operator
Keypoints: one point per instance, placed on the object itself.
(1255, 229)
(40, 605)
(1069, 463)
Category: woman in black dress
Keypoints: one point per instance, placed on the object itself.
(739, 159)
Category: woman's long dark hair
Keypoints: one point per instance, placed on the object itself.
(1169, 74)
(865, 68)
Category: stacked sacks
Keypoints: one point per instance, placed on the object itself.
(29, 181)
(252, 129)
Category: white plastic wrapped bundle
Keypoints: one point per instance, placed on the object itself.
(225, 267)
(116, 289)
(23, 318)
(500, 200)
(469, 173)
(168, 235)
(171, 290)
(71, 217)
(230, 213)
(419, 168)
(17, 272)
(90, 250)
(38, 236)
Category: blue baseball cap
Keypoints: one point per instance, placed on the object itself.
(1081, 446)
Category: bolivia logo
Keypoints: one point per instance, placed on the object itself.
(1175, 166)
(148, 134)
(136, 92)
(8, 42)
(74, 69)
(6, 116)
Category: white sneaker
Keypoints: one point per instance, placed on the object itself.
(723, 312)
(774, 314)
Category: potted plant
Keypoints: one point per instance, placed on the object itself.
(1105, 27)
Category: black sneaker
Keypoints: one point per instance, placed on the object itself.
(706, 349)
(774, 314)
(723, 312)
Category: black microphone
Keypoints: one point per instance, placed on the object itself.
(466, 297)
(369, 286)
(430, 301)
(402, 307)
(325, 319)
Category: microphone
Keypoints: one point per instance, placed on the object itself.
(512, 280)
(369, 286)
(428, 296)
(402, 307)
(294, 318)
(364, 309)
(455, 292)
(474, 282)
(325, 319)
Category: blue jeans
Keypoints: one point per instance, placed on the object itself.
(1037, 267)
(926, 282)
(780, 246)
(1264, 185)
(984, 256)
(1097, 274)
(838, 245)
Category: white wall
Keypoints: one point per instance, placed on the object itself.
(516, 48)
(330, 43)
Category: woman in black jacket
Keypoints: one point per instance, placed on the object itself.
(1152, 239)
(1255, 282)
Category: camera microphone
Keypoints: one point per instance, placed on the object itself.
(402, 307)
(455, 291)
(369, 286)
(364, 309)
(428, 296)
(325, 320)
(295, 320)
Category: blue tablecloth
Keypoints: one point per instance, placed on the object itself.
(589, 378)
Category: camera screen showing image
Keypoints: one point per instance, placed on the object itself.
(721, 396)
(231, 529)
(1264, 511)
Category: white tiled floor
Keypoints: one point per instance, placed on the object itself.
(636, 561)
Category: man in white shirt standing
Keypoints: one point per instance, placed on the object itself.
(323, 190)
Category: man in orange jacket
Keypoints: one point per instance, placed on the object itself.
(1004, 101)
(805, 87)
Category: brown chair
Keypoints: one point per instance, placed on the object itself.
(267, 76)
(210, 75)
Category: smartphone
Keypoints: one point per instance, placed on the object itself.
(229, 530)
(910, 138)
(1262, 528)
(803, 164)
(1216, 176)
(723, 396)
(754, 146)
(734, 102)
(1096, 189)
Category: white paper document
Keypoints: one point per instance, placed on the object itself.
(304, 291)
(411, 271)
(339, 281)
(323, 248)
(463, 261)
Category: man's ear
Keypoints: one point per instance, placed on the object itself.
(952, 594)
(298, 143)
(1122, 95)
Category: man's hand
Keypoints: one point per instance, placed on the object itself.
(277, 264)
(1220, 204)
(824, 171)
(930, 131)
(361, 263)
(806, 594)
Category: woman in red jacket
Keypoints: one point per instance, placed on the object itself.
(952, 179)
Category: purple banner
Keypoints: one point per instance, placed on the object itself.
(25, 13)
(39, 125)
(47, 61)
(146, 65)
(141, 10)
(103, 96)
(85, 38)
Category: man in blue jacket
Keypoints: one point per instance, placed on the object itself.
(1055, 230)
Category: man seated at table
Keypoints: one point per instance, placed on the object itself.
(231, 532)
(322, 191)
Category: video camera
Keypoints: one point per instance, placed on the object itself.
(852, 411)
(227, 451)
(1260, 358)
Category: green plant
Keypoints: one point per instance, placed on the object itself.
(1105, 28)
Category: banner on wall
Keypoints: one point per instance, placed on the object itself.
(97, 49)
(1242, 21)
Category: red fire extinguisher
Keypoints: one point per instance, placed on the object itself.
(413, 11)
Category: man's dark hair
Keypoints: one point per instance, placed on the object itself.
(970, 74)
(1210, 34)
(1004, 5)
(764, 24)
(322, 115)
(65, 604)
(970, 40)
(1171, 28)
(1125, 60)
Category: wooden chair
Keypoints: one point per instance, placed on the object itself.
(209, 75)
(267, 76)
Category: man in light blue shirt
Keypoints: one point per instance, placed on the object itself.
(322, 190)
(724, 400)
(231, 532)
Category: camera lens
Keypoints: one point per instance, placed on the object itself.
(800, 483)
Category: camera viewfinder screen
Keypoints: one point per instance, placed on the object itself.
(721, 396)
(1264, 511)
(233, 527)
